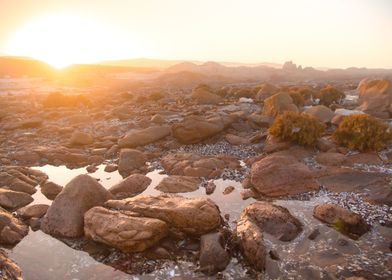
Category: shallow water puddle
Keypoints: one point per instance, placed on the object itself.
(331, 254)
(41, 256)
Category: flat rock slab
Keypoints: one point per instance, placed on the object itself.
(373, 186)
(195, 216)
(194, 129)
(130, 186)
(14, 200)
(123, 230)
(178, 184)
(141, 137)
(11, 229)
(188, 164)
(281, 175)
(33, 211)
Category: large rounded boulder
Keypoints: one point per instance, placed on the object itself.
(65, 216)
(375, 98)
(279, 103)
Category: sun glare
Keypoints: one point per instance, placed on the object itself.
(62, 40)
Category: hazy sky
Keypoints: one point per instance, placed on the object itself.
(324, 33)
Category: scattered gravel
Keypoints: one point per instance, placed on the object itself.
(219, 148)
(372, 213)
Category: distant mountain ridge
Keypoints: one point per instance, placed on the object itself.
(166, 63)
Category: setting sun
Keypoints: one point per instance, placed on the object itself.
(62, 40)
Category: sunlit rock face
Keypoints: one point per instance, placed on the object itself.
(122, 230)
(278, 175)
(12, 230)
(375, 98)
(65, 216)
(194, 216)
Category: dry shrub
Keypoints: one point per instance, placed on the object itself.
(300, 128)
(363, 132)
(330, 95)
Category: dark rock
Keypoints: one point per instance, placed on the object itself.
(14, 200)
(210, 187)
(33, 211)
(130, 160)
(178, 184)
(130, 186)
(313, 235)
(343, 220)
(50, 190)
(213, 257)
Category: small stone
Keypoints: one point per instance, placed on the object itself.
(228, 190)
(91, 168)
(210, 188)
(110, 168)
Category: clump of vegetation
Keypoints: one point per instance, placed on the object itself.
(305, 91)
(330, 95)
(300, 128)
(298, 99)
(363, 132)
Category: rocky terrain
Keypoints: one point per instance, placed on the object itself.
(201, 188)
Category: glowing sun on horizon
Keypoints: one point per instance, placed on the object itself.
(61, 40)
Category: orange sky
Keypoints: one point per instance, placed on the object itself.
(333, 33)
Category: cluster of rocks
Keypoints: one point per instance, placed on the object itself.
(194, 140)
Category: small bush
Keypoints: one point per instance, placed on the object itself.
(300, 128)
(363, 132)
(330, 95)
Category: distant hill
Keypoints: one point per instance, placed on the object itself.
(24, 66)
(163, 63)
